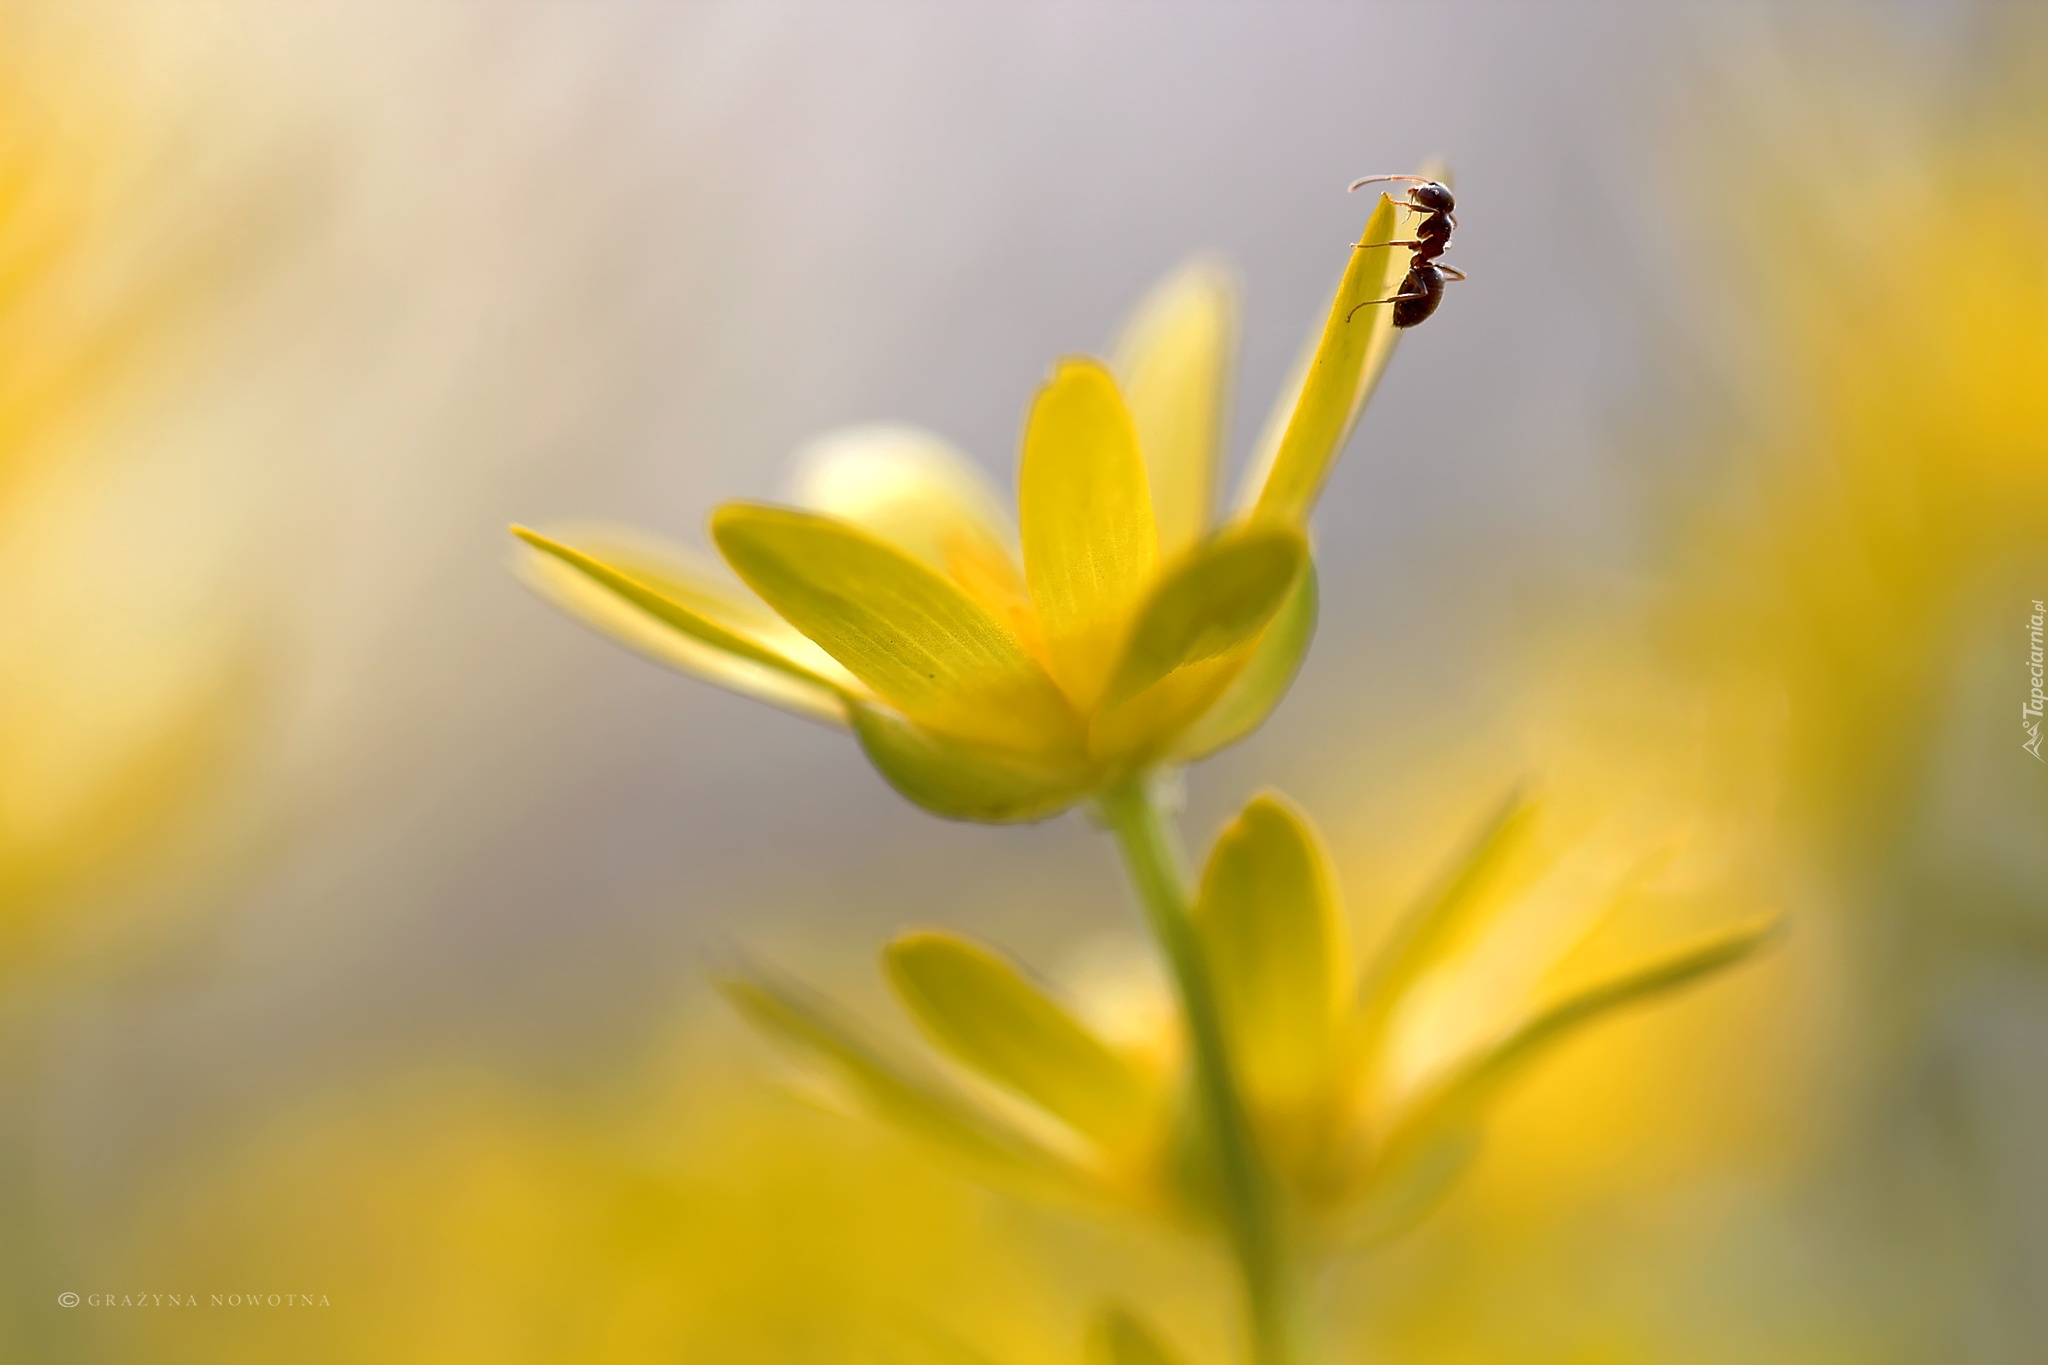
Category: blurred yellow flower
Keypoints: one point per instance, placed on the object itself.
(998, 675)
(677, 1213)
(125, 695)
(1363, 1106)
(1885, 502)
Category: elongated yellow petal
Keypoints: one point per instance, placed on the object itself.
(1267, 913)
(903, 628)
(1265, 678)
(1458, 1098)
(983, 1011)
(1173, 363)
(1214, 600)
(1090, 545)
(892, 1089)
(1119, 1336)
(1434, 925)
(683, 619)
(917, 492)
(1348, 361)
(963, 781)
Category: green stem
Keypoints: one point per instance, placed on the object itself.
(1151, 849)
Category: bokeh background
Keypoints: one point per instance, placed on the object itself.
(355, 907)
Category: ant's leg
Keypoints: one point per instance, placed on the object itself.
(1396, 298)
(1362, 246)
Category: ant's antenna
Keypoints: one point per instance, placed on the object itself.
(1372, 179)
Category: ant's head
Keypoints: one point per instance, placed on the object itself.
(1433, 196)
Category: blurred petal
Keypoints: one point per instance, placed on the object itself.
(908, 486)
(1119, 1336)
(1267, 914)
(963, 781)
(985, 1013)
(1253, 694)
(1348, 362)
(903, 628)
(1173, 363)
(803, 1021)
(1428, 932)
(685, 619)
(1459, 1098)
(917, 492)
(1090, 545)
(1409, 1184)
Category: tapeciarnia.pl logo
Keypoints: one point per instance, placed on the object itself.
(2030, 711)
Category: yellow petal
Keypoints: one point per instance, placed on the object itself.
(1119, 1336)
(1265, 678)
(1090, 546)
(1459, 1097)
(901, 627)
(893, 1090)
(983, 1011)
(962, 781)
(682, 618)
(1427, 933)
(1267, 914)
(916, 491)
(1348, 361)
(1173, 362)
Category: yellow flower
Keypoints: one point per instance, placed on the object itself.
(998, 674)
(1364, 1105)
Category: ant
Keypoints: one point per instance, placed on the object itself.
(1423, 287)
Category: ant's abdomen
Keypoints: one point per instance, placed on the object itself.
(1420, 293)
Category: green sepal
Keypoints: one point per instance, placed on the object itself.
(1217, 598)
(1254, 693)
(957, 779)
